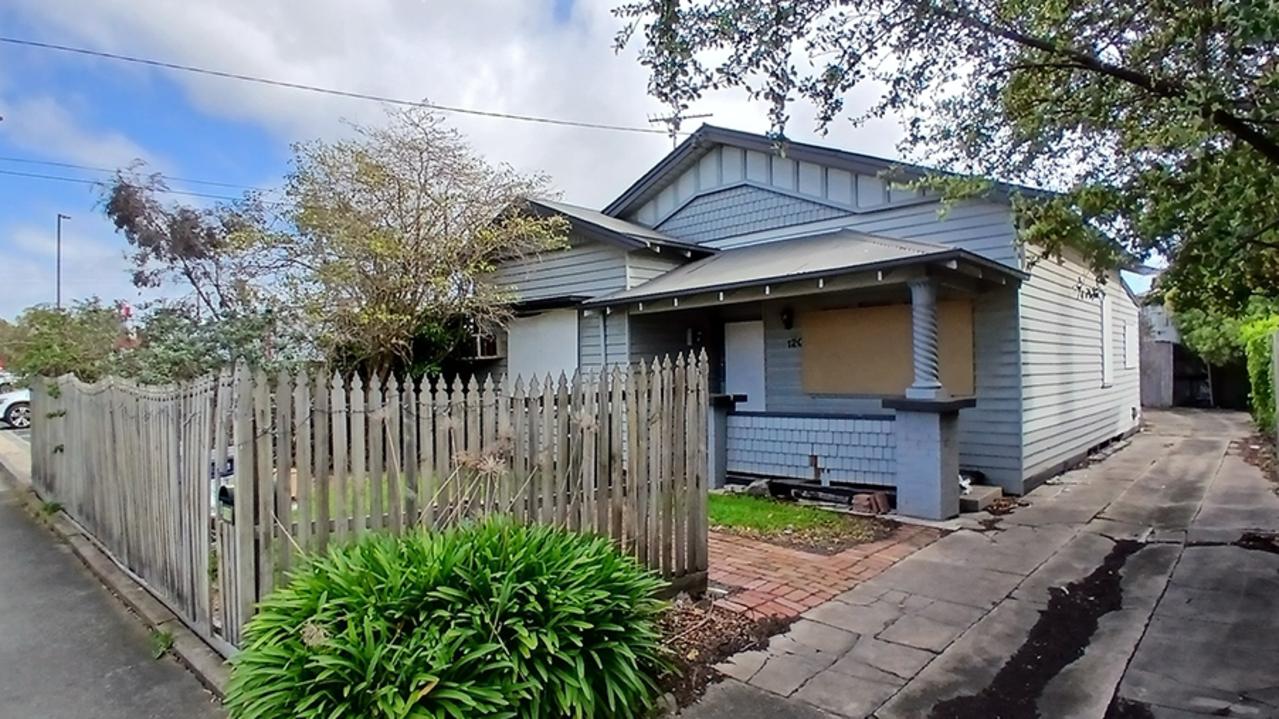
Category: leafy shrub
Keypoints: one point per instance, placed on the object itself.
(492, 619)
(1257, 338)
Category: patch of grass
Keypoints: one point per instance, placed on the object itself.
(792, 524)
(50, 508)
(161, 643)
(760, 514)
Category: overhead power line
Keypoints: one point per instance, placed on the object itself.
(328, 90)
(171, 178)
(100, 183)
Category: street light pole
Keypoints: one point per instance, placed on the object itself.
(58, 262)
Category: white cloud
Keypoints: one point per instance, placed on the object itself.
(93, 264)
(44, 125)
(502, 55)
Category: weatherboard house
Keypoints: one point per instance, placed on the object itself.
(870, 338)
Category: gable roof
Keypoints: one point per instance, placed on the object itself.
(706, 137)
(815, 256)
(598, 226)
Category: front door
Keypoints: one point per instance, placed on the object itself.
(744, 363)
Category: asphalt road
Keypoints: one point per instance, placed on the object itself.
(69, 649)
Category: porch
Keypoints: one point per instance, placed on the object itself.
(845, 360)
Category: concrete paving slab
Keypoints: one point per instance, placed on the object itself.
(783, 674)
(973, 586)
(1145, 575)
(966, 666)
(1079, 689)
(1075, 560)
(845, 696)
(958, 615)
(1233, 570)
(921, 633)
(822, 637)
(1236, 500)
(1169, 494)
(854, 667)
(743, 665)
(1017, 550)
(734, 700)
(902, 662)
(859, 619)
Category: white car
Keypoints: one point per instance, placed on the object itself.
(15, 408)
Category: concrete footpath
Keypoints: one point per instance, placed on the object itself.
(1121, 588)
(68, 649)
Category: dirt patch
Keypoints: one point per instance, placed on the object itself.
(1004, 505)
(701, 635)
(1259, 541)
(1059, 637)
(1126, 709)
(990, 524)
(1259, 451)
(851, 531)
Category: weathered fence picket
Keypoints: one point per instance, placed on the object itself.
(208, 492)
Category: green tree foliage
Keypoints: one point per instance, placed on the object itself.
(1157, 121)
(394, 232)
(80, 340)
(1257, 336)
(1222, 337)
(493, 619)
(172, 346)
(377, 256)
(1217, 336)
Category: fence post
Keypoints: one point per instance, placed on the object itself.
(245, 568)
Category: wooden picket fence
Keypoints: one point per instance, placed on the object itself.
(209, 492)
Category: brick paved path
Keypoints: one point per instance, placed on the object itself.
(781, 581)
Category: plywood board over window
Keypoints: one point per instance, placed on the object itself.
(867, 350)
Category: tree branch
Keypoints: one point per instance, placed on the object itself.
(1241, 129)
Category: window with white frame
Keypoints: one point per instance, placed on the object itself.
(1107, 342)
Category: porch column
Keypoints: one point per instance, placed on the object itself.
(927, 421)
(923, 333)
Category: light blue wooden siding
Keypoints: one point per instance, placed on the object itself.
(1066, 409)
(644, 265)
(742, 210)
(590, 334)
(984, 228)
(723, 167)
(586, 268)
(990, 433)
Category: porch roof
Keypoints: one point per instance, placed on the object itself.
(823, 256)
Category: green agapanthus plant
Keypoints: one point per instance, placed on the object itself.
(493, 619)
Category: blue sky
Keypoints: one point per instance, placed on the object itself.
(548, 57)
(61, 108)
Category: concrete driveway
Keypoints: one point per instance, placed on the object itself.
(1120, 591)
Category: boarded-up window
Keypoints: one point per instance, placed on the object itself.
(867, 350)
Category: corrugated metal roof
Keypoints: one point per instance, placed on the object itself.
(824, 254)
